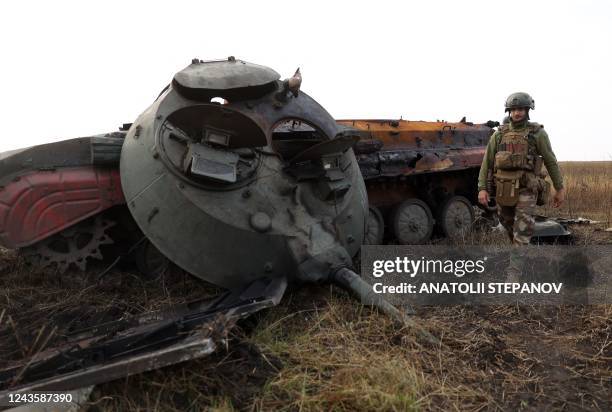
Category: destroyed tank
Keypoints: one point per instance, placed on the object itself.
(420, 176)
(243, 181)
(62, 204)
(421, 179)
(232, 174)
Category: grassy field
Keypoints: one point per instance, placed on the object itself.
(589, 191)
(319, 350)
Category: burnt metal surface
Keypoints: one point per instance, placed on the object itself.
(433, 188)
(418, 161)
(131, 346)
(392, 148)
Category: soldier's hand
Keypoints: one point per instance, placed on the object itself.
(559, 197)
(483, 198)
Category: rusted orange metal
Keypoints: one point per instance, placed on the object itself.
(396, 134)
(402, 159)
(406, 147)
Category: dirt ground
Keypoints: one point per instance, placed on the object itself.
(320, 350)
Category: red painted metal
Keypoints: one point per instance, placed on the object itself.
(37, 204)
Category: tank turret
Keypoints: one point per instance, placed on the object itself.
(234, 174)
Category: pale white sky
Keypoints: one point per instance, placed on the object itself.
(72, 69)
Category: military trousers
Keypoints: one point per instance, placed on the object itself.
(519, 220)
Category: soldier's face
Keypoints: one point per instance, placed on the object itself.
(518, 114)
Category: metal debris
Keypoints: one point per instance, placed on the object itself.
(127, 347)
(576, 221)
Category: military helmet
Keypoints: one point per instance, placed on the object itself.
(519, 99)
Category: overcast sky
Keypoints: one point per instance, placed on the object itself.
(72, 69)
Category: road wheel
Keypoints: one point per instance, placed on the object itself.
(456, 217)
(412, 222)
(375, 229)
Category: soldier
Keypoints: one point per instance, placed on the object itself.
(514, 158)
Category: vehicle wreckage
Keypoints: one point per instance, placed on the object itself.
(228, 160)
(421, 180)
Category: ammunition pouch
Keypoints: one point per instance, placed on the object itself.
(543, 192)
(542, 186)
(508, 183)
(537, 165)
(505, 160)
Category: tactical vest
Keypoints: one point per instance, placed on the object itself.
(517, 164)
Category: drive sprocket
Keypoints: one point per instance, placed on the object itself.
(73, 245)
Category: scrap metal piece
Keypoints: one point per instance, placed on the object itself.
(576, 221)
(140, 344)
(195, 346)
(546, 227)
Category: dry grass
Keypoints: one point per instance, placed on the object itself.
(337, 358)
(588, 188)
(34, 302)
(319, 350)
